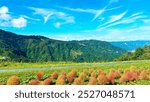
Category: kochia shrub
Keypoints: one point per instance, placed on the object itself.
(92, 81)
(39, 75)
(47, 81)
(34, 82)
(54, 75)
(61, 80)
(102, 79)
(13, 80)
(78, 81)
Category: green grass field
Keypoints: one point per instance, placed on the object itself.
(9, 69)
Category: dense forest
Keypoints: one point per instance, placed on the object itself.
(138, 54)
(15, 47)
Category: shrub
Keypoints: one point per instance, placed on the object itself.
(85, 71)
(100, 71)
(126, 71)
(54, 75)
(13, 80)
(78, 81)
(63, 73)
(117, 74)
(61, 80)
(70, 78)
(132, 75)
(135, 75)
(91, 70)
(129, 76)
(123, 79)
(82, 76)
(39, 75)
(102, 79)
(111, 78)
(47, 81)
(34, 82)
(74, 73)
(92, 81)
(144, 75)
(93, 74)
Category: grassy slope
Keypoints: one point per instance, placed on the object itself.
(105, 65)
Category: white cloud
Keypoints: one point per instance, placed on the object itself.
(47, 17)
(19, 22)
(115, 18)
(80, 10)
(92, 11)
(127, 20)
(136, 14)
(5, 17)
(101, 11)
(7, 20)
(30, 18)
(52, 14)
(143, 29)
(113, 35)
(4, 13)
(97, 13)
(57, 24)
(3, 10)
(5, 24)
(146, 21)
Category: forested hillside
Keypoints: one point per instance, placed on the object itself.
(38, 48)
(139, 54)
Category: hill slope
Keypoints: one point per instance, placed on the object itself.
(39, 48)
(130, 45)
(139, 54)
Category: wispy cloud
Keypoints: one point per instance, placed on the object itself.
(115, 18)
(92, 11)
(136, 14)
(143, 28)
(52, 14)
(57, 24)
(30, 18)
(101, 11)
(126, 20)
(146, 21)
(110, 35)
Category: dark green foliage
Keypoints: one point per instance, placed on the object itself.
(38, 48)
(139, 54)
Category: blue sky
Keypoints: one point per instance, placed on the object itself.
(109, 20)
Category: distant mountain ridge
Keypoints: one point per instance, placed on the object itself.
(39, 48)
(131, 45)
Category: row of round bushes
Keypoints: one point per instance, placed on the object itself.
(86, 77)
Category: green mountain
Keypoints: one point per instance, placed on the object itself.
(138, 54)
(38, 48)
